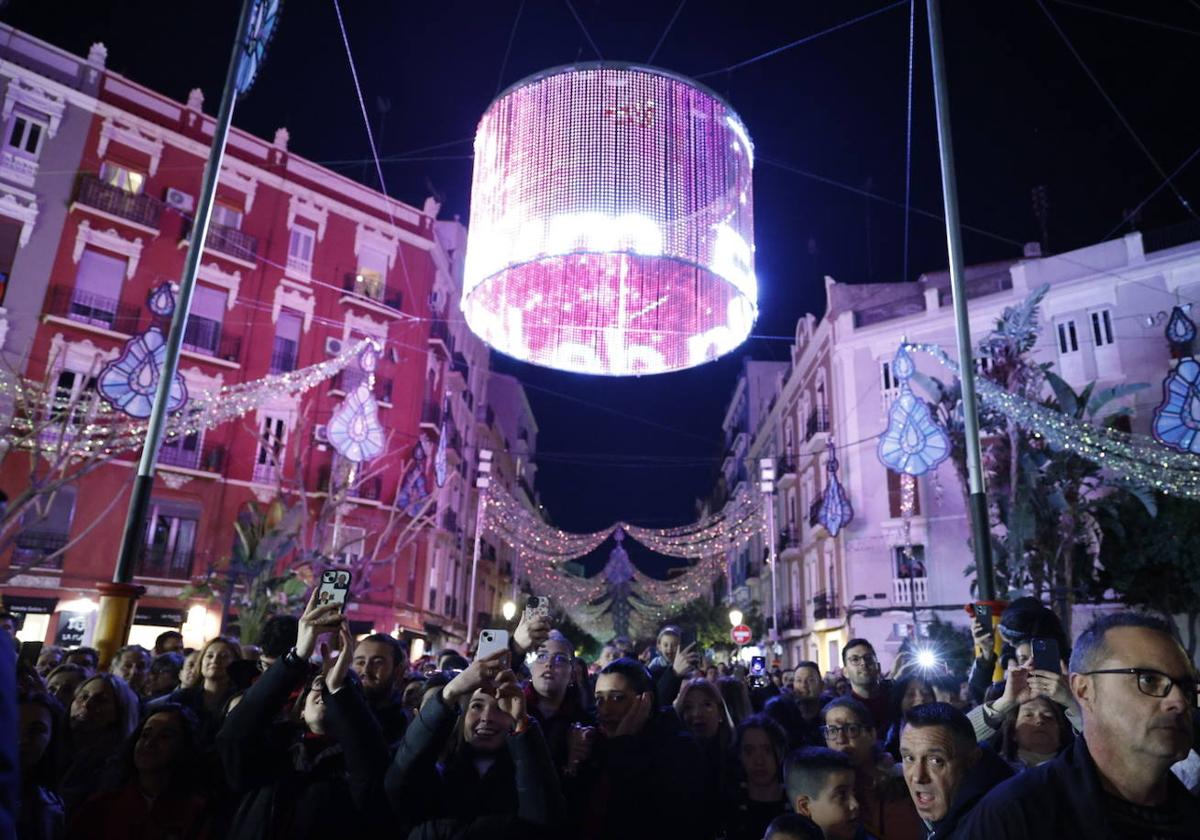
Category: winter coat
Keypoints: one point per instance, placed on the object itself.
(555, 729)
(125, 814)
(608, 798)
(785, 711)
(989, 771)
(42, 815)
(1063, 798)
(518, 794)
(392, 717)
(294, 786)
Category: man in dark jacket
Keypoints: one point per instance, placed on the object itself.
(379, 660)
(799, 712)
(1136, 688)
(946, 770)
(321, 783)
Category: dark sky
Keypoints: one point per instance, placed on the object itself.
(1025, 114)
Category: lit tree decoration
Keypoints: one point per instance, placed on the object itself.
(912, 444)
(611, 222)
(129, 381)
(836, 511)
(1177, 418)
(354, 429)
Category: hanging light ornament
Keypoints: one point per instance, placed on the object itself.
(354, 428)
(1177, 417)
(128, 382)
(912, 443)
(611, 222)
(836, 511)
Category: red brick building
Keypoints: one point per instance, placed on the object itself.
(300, 262)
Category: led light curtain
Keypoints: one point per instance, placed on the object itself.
(611, 222)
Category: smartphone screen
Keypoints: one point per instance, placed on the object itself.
(758, 665)
(335, 587)
(1046, 656)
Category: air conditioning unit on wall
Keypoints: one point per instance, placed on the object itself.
(333, 346)
(179, 200)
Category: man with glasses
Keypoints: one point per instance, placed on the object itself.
(552, 699)
(1136, 689)
(867, 686)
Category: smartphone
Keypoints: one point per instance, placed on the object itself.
(335, 587)
(984, 613)
(30, 651)
(537, 606)
(758, 666)
(1046, 656)
(491, 641)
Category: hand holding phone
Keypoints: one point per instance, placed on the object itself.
(491, 641)
(1046, 656)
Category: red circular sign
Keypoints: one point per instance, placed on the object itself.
(741, 635)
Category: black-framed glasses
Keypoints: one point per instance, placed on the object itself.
(1154, 683)
(869, 659)
(851, 730)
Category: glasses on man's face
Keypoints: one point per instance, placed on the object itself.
(850, 730)
(868, 659)
(1154, 683)
(554, 660)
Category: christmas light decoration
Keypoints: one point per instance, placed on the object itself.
(129, 381)
(836, 511)
(1177, 417)
(1138, 459)
(414, 489)
(611, 222)
(912, 444)
(354, 428)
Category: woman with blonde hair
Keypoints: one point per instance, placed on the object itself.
(103, 713)
(208, 697)
(703, 713)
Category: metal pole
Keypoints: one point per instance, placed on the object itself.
(981, 538)
(480, 503)
(770, 497)
(143, 483)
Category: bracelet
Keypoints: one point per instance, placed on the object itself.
(292, 657)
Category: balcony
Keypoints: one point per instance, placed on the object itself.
(210, 458)
(454, 446)
(114, 201)
(284, 356)
(457, 373)
(486, 414)
(906, 591)
(160, 561)
(299, 266)
(818, 423)
(96, 310)
(228, 241)
(206, 337)
(791, 619)
(824, 606)
(814, 512)
(450, 521)
(431, 415)
(789, 540)
(365, 290)
(33, 546)
(786, 470)
(439, 336)
(265, 474)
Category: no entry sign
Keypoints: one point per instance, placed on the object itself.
(741, 635)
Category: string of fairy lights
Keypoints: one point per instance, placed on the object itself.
(93, 428)
(1137, 459)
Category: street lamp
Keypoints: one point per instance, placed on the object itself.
(508, 610)
(766, 483)
(735, 617)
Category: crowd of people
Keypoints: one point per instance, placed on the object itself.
(314, 733)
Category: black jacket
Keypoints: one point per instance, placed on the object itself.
(988, 772)
(1061, 798)
(785, 711)
(518, 795)
(294, 786)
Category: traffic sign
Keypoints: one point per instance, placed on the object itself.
(741, 635)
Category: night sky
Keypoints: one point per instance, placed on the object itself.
(827, 118)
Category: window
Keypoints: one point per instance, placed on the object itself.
(346, 546)
(1068, 339)
(905, 566)
(97, 289)
(273, 438)
(223, 214)
(370, 279)
(1102, 331)
(203, 330)
(26, 134)
(300, 249)
(170, 540)
(895, 496)
(123, 178)
(181, 451)
(287, 341)
(45, 528)
(889, 385)
(74, 392)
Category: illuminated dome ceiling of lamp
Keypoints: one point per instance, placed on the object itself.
(612, 226)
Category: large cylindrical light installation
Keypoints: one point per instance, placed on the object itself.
(611, 222)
